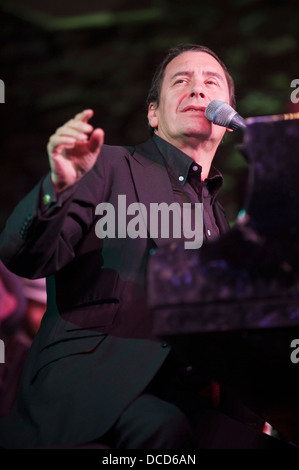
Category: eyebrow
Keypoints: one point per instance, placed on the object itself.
(214, 74)
(181, 74)
(205, 73)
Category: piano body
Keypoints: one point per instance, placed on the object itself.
(232, 306)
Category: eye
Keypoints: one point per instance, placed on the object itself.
(180, 80)
(211, 82)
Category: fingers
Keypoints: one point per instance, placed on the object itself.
(74, 131)
(96, 140)
(74, 146)
(75, 128)
(77, 131)
(84, 115)
(56, 143)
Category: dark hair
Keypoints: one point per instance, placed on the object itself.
(155, 88)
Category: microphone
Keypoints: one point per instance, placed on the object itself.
(223, 114)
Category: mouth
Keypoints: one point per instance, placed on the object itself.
(194, 109)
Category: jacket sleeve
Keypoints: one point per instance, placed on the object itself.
(40, 237)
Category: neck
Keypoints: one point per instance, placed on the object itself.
(202, 152)
(202, 156)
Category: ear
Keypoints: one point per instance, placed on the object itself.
(152, 115)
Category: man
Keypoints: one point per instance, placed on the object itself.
(95, 372)
(13, 346)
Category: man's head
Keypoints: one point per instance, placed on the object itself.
(190, 75)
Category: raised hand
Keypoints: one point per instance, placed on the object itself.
(73, 150)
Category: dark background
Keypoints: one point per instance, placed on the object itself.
(64, 56)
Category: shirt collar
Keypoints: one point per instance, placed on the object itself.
(177, 160)
(214, 182)
(180, 163)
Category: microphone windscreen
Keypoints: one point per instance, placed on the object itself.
(212, 108)
(219, 113)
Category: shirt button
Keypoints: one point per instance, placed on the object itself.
(189, 369)
(195, 168)
(181, 178)
(164, 345)
(209, 233)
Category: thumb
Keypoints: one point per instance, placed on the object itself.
(96, 140)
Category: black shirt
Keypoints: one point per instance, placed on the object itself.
(185, 177)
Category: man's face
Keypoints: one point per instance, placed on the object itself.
(191, 81)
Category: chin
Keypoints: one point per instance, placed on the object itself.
(198, 133)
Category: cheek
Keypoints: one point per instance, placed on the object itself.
(172, 103)
(180, 98)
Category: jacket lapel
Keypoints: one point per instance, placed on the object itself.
(151, 180)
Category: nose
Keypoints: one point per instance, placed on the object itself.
(196, 92)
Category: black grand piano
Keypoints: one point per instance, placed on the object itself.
(233, 305)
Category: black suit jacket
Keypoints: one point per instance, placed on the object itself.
(95, 351)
